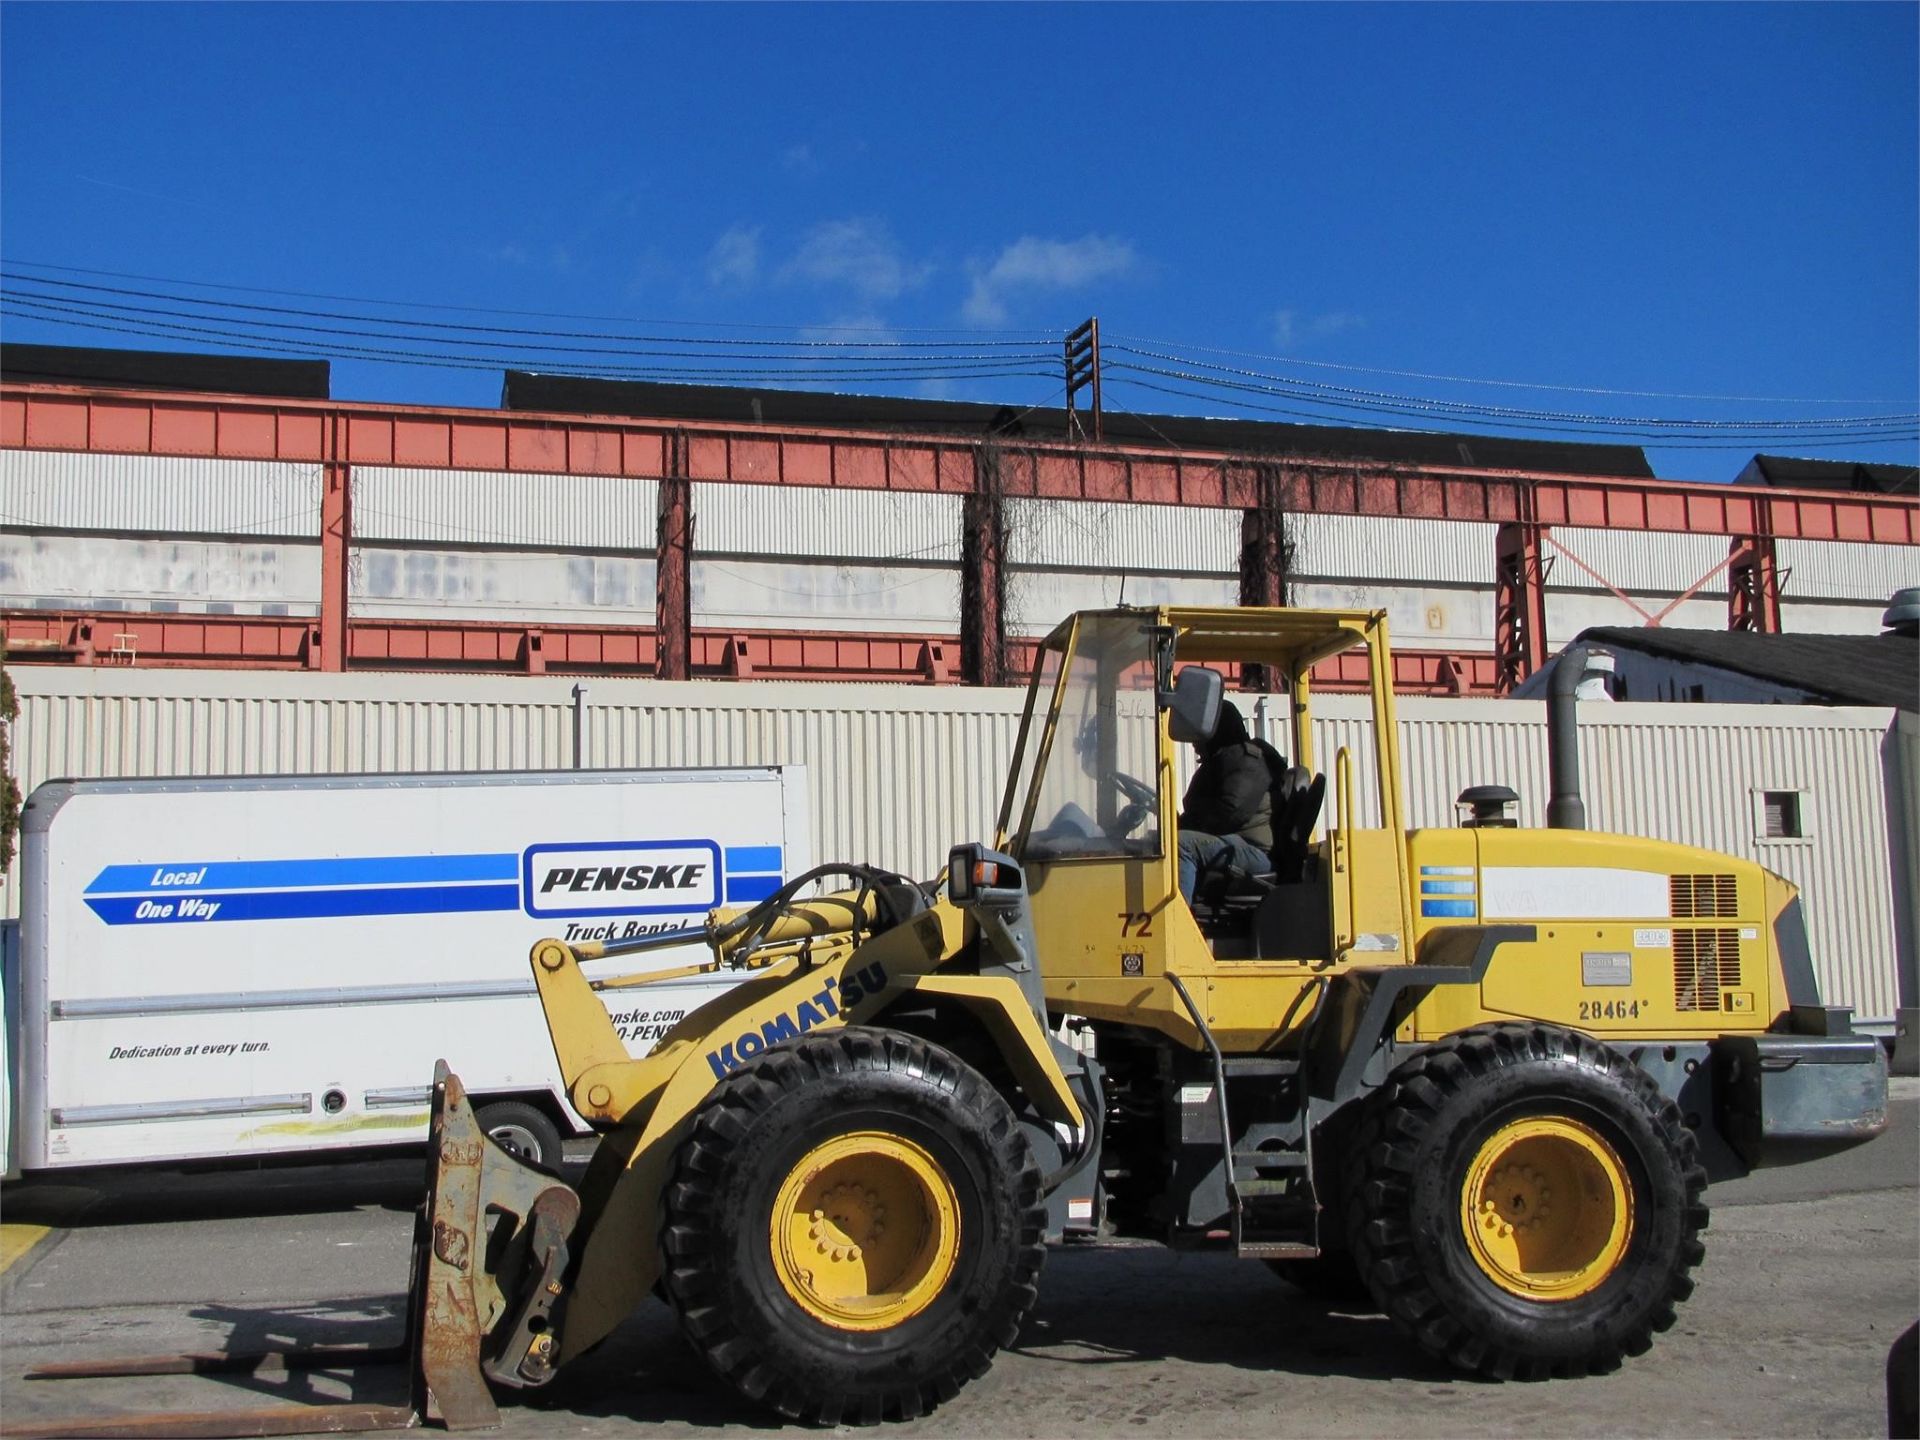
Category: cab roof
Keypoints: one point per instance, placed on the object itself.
(1287, 637)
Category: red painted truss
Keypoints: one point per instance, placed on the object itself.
(280, 643)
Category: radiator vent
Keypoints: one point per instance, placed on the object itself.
(1705, 962)
(1704, 897)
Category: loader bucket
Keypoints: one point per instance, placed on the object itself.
(489, 1250)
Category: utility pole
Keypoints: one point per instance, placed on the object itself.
(1082, 355)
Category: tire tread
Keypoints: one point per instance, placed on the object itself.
(1379, 1172)
(694, 1198)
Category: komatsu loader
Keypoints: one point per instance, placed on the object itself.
(1479, 1075)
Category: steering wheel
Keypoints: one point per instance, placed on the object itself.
(1141, 799)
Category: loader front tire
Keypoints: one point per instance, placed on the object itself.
(854, 1227)
(1524, 1202)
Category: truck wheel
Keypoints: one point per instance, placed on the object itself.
(854, 1227)
(1525, 1202)
(522, 1131)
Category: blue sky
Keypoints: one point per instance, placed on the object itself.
(1683, 201)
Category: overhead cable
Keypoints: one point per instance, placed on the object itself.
(1232, 376)
(1663, 442)
(1049, 336)
(1482, 380)
(907, 368)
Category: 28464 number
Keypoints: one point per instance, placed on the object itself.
(1610, 1009)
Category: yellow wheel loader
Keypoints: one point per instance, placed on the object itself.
(1481, 1074)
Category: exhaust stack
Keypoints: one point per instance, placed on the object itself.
(1566, 810)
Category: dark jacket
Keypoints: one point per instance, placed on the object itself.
(1231, 792)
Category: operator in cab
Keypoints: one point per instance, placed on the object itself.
(1226, 817)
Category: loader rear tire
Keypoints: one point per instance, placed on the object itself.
(854, 1227)
(1524, 1202)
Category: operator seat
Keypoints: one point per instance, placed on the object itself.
(1293, 825)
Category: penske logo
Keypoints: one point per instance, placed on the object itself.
(834, 998)
(638, 877)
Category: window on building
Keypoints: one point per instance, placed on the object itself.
(1780, 815)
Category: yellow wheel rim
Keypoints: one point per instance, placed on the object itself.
(1547, 1208)
(865, 1231)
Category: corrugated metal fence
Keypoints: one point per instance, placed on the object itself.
(898, 774)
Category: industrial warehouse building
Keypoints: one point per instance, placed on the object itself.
(216, 568)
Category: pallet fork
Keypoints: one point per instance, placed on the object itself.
(485, 1214)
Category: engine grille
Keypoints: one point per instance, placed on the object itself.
(1705, 962)
(1704, 897)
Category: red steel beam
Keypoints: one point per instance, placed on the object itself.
(50, 417)
(257, 642)
(673, 568)
(336, 545)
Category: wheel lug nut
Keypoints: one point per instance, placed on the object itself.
(853, 1252)
(819, 1215)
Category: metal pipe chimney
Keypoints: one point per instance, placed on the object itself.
(1565, 809)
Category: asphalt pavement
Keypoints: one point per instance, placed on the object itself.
(1811, 1272)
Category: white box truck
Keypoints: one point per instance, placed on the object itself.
(219, 969)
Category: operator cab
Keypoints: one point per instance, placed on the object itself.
(1121, 706)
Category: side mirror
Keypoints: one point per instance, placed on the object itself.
(1194, 704)
(976, 873)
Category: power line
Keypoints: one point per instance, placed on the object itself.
(1563, 424)
(521, 314)
(303, 331)
(1481, 380)
(906, 369)
(1503, 412)
(516, 333)
(1663, 442)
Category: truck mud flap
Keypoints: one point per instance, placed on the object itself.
(462, 1326)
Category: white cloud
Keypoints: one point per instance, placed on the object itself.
(734, 259)
(865, 328)
(860, 255)
(1291, 328)
(557, 257)
(1032, 264)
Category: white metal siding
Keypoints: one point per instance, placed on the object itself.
(111, 572)
(1112, 536)
(487, 507)
(826, 524)
(525, 587)
(160, 495)
(1374, 550)
(1641, 563)
(899, 773)
(732, 593)
(1846, 570)
(1390, 549)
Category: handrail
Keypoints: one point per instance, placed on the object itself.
(1343, 846)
